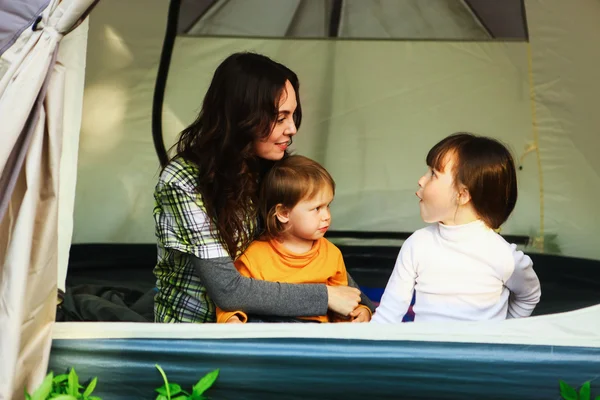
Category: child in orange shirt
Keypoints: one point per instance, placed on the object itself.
(294, 203)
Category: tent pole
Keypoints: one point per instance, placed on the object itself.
(161, 81)
(334, 21)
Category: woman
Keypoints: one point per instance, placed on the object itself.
(206, 199)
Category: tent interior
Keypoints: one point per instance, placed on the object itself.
(381, 82)
(376, 97)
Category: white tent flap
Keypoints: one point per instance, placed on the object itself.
(32, 108)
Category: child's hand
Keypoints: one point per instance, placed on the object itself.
(360, 314)
(234, 319)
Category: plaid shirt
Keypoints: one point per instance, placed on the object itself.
(182, 230)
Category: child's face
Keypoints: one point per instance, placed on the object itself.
(438, 195)
(310, 218)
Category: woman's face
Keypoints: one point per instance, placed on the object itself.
(273, 147)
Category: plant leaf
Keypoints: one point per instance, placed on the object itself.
(567, 392)
(181, 397)
(205, 383)
(162, 390)
(44, 390)
(60, 386)
(174, 389)
(64, 397)
(73, 388)
(90, 388)
(585, 391)
(60, 378)
(94, 398)
(161, 397)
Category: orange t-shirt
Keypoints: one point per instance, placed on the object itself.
(271, 261)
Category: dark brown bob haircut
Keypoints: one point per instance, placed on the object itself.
(291, 180)
(486, 168)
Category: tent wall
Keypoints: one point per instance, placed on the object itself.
(361, 99)
(117, 164)
(372, 110)
(371, 122)
(565, 73)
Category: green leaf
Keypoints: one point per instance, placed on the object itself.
(60, 378)
(181, 397)
(44, 390)
(59, 384)
(173, 389)
(73, 379)
(567, 392)
(597, 398)
(162, 390)
(205, 383)
(90, 388)
(56, 388)
(65, 397)
(161, 397)
(27, 395)
(94, 398)
(585, 391)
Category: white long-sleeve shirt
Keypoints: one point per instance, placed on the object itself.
(459, 273)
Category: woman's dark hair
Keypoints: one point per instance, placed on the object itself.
(486, 168)
(240, 106)
(291, 180)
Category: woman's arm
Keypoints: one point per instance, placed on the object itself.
(231, 291)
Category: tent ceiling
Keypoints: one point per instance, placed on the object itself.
(357, 19)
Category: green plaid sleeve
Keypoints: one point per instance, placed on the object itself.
(181, 220)
(182, 230)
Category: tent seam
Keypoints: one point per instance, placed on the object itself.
(539, 241)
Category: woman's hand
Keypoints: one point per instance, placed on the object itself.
(342, 299)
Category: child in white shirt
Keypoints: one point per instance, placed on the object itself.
(458, 267)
